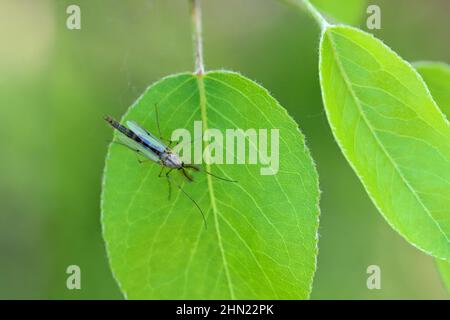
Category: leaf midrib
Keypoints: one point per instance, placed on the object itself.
(202, 96)
(366, 121)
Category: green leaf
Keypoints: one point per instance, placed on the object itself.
(345, 11)
(261, 240)
(444, 269)
(437, 77)
(391, 132)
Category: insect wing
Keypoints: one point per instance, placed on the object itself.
(146, 136)
(136, 146)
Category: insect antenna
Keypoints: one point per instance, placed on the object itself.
(217, 177)
(157, 120)
(190, 198)
(196, 168)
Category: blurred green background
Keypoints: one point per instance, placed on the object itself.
(56, 84)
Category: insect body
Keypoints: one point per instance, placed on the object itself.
(145, 143)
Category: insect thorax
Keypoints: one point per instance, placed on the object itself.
(171, 160)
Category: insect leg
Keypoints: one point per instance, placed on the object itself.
(187, 175)
(159, 129)
(135, 150)
(170, 185)
(190, 198)
(161, 172)
(120, 143)
(191, 166)
(139, 160)
(157, 119)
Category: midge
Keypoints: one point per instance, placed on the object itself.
(145, 143)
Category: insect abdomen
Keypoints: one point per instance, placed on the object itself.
(116, 125)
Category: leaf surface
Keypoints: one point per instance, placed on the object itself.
(437, 77)
(391, 132)
(261, 240)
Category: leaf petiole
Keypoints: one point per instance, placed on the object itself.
(196, 15)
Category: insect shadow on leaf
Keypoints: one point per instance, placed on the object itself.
(153, 148)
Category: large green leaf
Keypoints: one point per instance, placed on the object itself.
(437, 78)
(261, 240)
(391, 132)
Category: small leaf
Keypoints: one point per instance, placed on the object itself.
(437, 78)
(391, 132)
(345, 11)
(261, 240)
(444, 269)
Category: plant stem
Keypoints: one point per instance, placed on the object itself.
(196, 15)
(312, 10)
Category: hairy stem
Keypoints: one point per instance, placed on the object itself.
(312, 10)
(196, 16)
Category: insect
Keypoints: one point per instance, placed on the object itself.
(148, 145)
